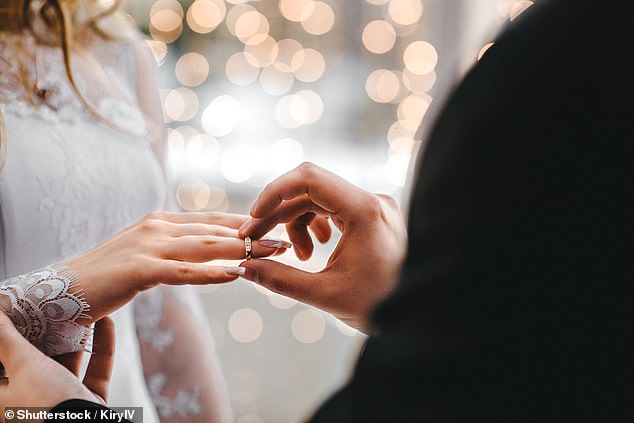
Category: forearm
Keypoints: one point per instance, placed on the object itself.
(179, 363)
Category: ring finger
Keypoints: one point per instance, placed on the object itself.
(202, 248)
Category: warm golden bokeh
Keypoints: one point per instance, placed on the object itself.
(321, 20)
(192, 69)
(287, 49)
(379, 37)
(420, 57)
(261, 52)
(204, 16)
(240, 71)
(383, 86)
(297, 10)
(308, 65)
(405, 12)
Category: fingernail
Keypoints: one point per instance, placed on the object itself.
(275, 243)
(253, 207)
(245, 225)
(235, 270)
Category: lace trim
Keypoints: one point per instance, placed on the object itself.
(148, 313)
(45, 312)
(182, 404)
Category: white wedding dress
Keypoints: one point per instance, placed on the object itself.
(68, 182)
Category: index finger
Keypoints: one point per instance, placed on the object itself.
(326, 190)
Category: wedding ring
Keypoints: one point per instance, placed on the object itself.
(247, 248)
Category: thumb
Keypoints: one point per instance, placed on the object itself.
(13, 345)
(283, 279)
(99, 369)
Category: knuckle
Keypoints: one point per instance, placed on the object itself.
(184, 271)
(389, 200)
(371, 205)
(143, 269)
(209, 241)
(307, 169)
(151, 225)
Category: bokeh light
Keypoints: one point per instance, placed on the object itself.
(297, 10)
(418, 83)
(204, 16)
(192, 69)
(383, 85)
(308, 65)
(308, 326)
(379, 37)
(405, 12)
(245, 325)
(484, 50)
(180, 104)
(276, 82)
(321, 20)
(237, 164)
(203, 151)
(286, 51)
(166, 20)
(286, 154)
(413, 108)
(240, 71)
(221, 116)
(251, 27)
(519, 8)
(261, 51)
(420, 57)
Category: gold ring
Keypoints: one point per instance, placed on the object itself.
(247, 248)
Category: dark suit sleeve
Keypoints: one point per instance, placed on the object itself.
(516, 294)
(81, 406)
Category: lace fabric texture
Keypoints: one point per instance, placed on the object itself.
(27, 68)
(45, 311)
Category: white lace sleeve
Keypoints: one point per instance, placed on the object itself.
(45, 306)
(179, 362)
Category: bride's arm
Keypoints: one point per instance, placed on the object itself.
(50, 305)
(180, 366)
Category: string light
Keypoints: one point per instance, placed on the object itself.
(297, 62)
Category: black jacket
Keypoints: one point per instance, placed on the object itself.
(515, 301)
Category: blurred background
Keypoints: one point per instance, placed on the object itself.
(250, 89)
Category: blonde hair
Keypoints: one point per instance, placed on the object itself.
(59, 23)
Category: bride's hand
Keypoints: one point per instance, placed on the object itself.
(169, 248)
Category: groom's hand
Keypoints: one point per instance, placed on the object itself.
(364, 266)
(35, 380)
